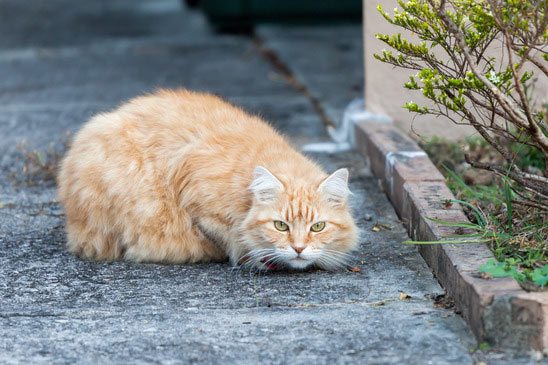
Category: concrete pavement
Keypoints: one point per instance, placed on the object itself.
(61, 62)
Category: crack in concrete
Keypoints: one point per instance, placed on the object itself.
(276, 62)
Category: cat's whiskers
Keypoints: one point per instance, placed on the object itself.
(339, 258)
(338, 254)
(273, 259)
(328, 263)
(256, 256)
(256, 252)
(333, 259)
(258, 260)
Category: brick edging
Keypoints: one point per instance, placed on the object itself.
(498, 310)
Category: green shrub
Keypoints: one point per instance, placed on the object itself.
(456, 70)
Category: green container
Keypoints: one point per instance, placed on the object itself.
(246, 13)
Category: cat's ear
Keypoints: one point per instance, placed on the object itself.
(265, 186)
(335, 187)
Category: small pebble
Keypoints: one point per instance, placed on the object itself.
(368, 217)
(404, 296)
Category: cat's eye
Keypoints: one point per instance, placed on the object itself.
(317, 227)
(281, 226)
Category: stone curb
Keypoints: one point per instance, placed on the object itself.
(498, 310)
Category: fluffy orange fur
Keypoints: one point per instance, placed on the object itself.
(184, 177)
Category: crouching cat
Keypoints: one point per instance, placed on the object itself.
(185, 177)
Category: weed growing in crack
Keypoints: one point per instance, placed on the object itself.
(36, 167)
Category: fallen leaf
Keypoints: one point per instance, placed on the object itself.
(443, 301)
(380, 226)
(404, 296)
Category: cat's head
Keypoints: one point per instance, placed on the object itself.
(297, 225)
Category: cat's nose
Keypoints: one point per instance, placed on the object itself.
(298, 249)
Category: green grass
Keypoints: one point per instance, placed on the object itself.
(517, 235)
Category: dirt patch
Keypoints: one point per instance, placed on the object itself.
(443, 301)
(38, 167)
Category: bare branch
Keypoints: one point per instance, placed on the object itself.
(507, 103)
(537, 183)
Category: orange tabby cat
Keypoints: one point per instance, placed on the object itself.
(185, 177)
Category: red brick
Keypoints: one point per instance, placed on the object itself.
(532, 309)
(497, 310)
(395, 157)
(379, 140)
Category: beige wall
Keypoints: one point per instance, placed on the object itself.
(384, 91)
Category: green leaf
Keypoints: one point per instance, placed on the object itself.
(413, 107)
(495, 269)
(539, 276)
(507, 268)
